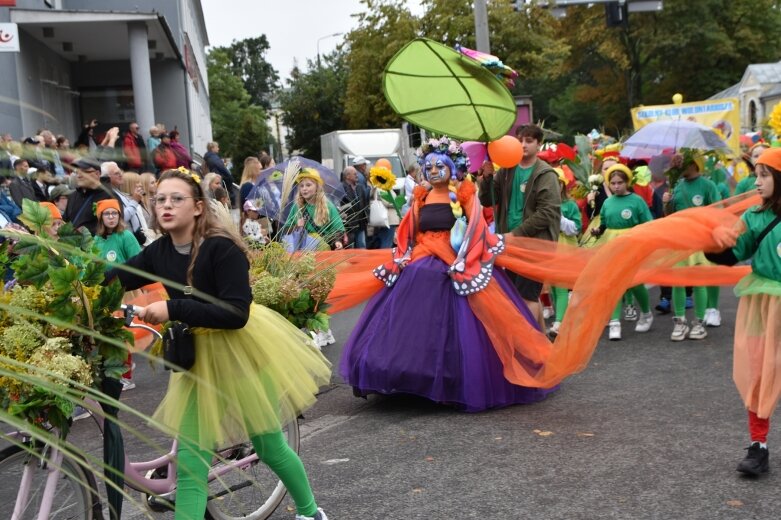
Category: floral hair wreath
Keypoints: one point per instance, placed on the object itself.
(194, 176)
(447, 146)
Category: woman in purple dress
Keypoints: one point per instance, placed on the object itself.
(425, 332)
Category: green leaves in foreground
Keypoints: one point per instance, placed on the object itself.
(56, 322)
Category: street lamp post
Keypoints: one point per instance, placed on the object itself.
(318, 44)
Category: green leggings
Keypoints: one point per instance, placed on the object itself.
(700, 296)
(641, 295)
(194, 461)
(713, 296)
(560, 301)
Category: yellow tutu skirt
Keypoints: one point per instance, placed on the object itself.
(247, 381)
(756, 362)
(611, 234)
(587, 239)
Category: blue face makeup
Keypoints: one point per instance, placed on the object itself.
(441, 163)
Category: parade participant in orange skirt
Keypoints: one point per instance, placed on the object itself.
(424, 333)
(757, 352)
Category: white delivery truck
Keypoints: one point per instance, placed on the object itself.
(340, 147)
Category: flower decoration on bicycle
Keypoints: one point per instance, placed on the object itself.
(57, 332)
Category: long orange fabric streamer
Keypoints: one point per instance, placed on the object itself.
(598, 276)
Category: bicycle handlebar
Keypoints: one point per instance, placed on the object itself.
(130, 312)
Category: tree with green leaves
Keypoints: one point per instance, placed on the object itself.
(383, 29)
(248, 62)
(251, 136)
(695, 48)
(313, 103)
(237, 124)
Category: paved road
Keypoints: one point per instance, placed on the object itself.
(650, 430)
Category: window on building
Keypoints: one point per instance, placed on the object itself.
(752, 116)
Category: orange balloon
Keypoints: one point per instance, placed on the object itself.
(383, 163)
(506, 151)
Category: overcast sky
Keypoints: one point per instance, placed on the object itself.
(292, 27)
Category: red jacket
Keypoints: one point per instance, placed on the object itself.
(164, 157)
(132, 151)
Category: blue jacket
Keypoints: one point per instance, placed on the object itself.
(9, 207)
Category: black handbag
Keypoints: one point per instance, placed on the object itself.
(179, 347)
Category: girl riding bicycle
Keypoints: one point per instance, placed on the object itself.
(253, 370)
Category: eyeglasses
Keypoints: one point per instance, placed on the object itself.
(177, 199)
(110, 214)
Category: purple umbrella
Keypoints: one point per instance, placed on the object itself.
(267, 193)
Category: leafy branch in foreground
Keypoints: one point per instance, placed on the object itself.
(67, 286)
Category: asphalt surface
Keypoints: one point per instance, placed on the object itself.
(650, 430)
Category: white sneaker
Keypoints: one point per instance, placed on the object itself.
(712, 318)
(553, 331)
(698, 330)
(680, 329)
(320, 515)
(548, 312)
(630, 313)
(315, 339)
(127, 384)
(321, 338)
(614, 330)
(644, 322)
(329, 337)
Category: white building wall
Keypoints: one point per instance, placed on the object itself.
(44, 83)
(197, 98)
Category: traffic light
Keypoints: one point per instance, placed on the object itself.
(616, 14)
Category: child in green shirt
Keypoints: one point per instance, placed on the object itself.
(756, 354)
(621, 212)
(693, 190)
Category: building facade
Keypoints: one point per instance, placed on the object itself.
(759, 90)
(115, 62)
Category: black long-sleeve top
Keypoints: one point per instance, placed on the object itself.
(221, 271)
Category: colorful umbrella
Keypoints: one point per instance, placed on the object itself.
(446, 92)
(267, 193)
(656, 137)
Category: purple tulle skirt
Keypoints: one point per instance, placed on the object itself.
(419, 337)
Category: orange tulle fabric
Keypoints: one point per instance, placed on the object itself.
(598, 276)
(142, 297)
(756, 365)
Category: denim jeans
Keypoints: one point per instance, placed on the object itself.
(358, 239)
(385, 236)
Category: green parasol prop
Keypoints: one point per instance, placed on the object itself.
(443, 91)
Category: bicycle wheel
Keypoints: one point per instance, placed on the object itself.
(75, 497)
(250, 492)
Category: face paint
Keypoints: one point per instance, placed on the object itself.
(438, 167)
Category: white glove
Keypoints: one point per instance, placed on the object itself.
(568, 227)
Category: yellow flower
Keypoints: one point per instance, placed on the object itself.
(382, 178)
(190, 173)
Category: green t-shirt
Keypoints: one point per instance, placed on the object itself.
(570, 210)
(327, 230)
(518, 196)
(745, 184)
(118, 247)
(624, 211)
(723, 190)
(694, 193)
(766, 260)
